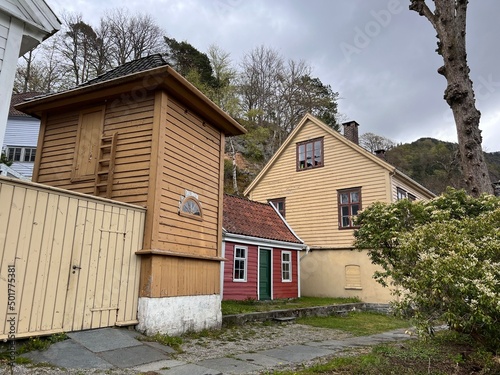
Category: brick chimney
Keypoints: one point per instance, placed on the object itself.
(351, 131)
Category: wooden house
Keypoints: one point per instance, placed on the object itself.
(262, 252)
(320, 179)
(21, 136)
(142, 134)
(23, 25)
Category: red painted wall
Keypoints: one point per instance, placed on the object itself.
(236, 290)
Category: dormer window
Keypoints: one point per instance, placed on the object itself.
(310, 154)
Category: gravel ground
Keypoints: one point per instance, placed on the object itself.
(213, 344)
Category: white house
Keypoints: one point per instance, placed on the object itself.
(21, 136)
(23, 25)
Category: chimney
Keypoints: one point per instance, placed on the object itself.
(380, 154)
(351, 131)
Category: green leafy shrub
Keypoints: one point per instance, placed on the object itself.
(444, 258)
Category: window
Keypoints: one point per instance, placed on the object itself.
(190, 207)
(310, 154)
(286, 266)
(349, 205)
(22, 154)
(87, 144)
(240, 263)
(352, 277)
(279, 204)
(403, 194)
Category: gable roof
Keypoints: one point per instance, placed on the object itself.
(310, 118)
(134, 79)
(254, 219)
(20, 98)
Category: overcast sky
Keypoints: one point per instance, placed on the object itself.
(378, 55)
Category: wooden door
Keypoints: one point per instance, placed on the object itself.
(264, 274)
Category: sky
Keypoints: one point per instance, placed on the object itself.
(377, 54)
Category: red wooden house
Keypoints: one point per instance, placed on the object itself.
(262, 252)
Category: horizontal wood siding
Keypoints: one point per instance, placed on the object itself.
(311, 195)
(74, 260)
(238, 290)
(191, 163)
(284, 289)
(399, 183)
(22, 131)
(132, 120)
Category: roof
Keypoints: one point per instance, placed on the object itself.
(310, 118)
(20, 98)
(249, 218)
(131, 67)
(132, 80)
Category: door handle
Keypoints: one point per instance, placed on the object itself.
(75, 267)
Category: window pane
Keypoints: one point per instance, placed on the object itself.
(344, 198)
(345, 221)
(286, 257)
(17, 154)
(354, 197)
(317, 153)
(355, 209)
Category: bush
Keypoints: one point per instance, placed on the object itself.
(444, 258)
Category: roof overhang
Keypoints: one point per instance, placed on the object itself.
(249, 240)
(134, 86)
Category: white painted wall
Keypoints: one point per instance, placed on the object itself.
(21, 131)
(177, 315)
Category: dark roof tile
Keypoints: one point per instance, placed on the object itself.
(250, 218)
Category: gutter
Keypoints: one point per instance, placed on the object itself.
(263, 241)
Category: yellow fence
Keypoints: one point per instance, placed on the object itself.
(67, 260)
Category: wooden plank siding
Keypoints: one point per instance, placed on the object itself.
(239, 290)
(74, 258)
(284, 289)
(190, 162)
(311, 195)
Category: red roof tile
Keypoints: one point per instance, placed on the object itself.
(249, 218)
(20, 98)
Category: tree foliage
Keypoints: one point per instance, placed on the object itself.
(443, 257)
(373, 142)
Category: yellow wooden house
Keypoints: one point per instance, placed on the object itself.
(319, 180)
(143, 135)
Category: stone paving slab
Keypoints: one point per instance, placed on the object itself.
(229, 365)
(328, 344)
(261, 360)
(104, 339)
(160, 347)
(189, 369)
(69, 354)
(297, 353)
(159, 365)
(132, 356)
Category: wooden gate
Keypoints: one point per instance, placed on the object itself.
(67, 260)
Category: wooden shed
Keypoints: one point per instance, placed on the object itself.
(262, 252)
(142, 134)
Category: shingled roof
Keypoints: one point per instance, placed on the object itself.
(20, 98)
(131, 67)
(250, 218)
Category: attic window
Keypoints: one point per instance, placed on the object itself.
(190, 207)
(310, 154)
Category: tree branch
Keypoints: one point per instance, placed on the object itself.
(422, 9)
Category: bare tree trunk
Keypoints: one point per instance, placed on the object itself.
(449, 21)
(235, 180)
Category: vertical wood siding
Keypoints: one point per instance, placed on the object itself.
(74, 257)
(237, 290)
(311, 195)
(284, 289)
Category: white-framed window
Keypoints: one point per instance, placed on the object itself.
(240, 263)
(23, 154)
(286, 266)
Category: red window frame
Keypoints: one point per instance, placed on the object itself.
(309, 154)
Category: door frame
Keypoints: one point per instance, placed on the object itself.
(271, 268)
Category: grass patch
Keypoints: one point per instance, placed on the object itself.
(357, 323)
(447, 353)
(248, 306)
(174, 342)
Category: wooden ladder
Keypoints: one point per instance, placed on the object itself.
(105, 166)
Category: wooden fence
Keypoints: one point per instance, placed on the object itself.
(67, 260)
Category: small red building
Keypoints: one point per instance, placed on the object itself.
(262, 252)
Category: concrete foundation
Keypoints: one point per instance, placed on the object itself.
(177, 315)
